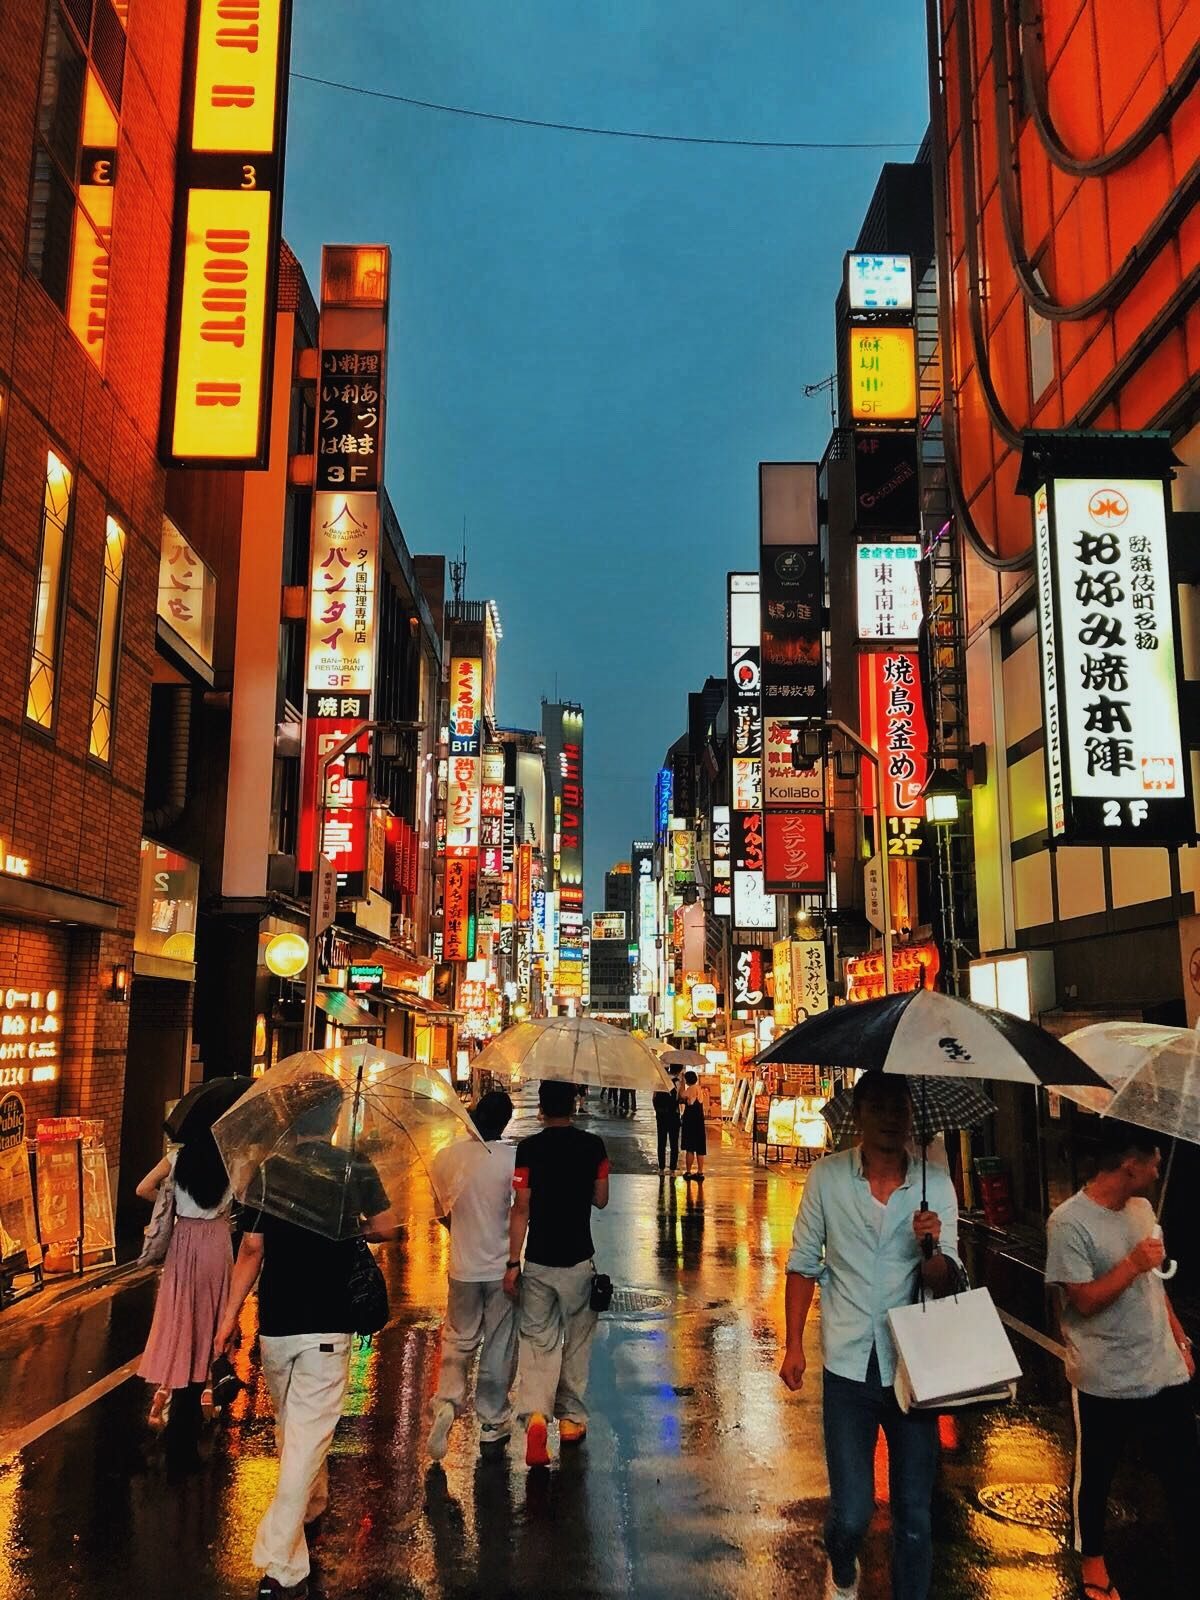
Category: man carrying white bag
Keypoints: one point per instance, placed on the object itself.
(861, 1233)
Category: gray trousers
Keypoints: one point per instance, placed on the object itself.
(557, 1326)
(480, 1316)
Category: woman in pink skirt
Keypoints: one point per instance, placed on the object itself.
(195, 1279)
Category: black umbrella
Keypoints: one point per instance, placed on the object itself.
(927, 1035)
(201, 1106)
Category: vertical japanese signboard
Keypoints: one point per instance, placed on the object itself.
(793, 677)
(794, 851)
(1116, 765)
(748, 966)
(889, 590)
(752, 907)
(228, 192)
(344, 572)
(571, 839)
(458, 942)
(349, 413)
(893, 722)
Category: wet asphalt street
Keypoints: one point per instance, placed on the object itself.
(700, 1477)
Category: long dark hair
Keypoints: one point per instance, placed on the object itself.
(200, 1171)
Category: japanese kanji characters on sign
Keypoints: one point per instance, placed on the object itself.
(346, 834)
(883, 373)
(892, 713)
(466, 705)
(349, 419)
(783, 786)
(792, 611)
(341, 625)
(1116, 766)
(456, 904)
(889, 590)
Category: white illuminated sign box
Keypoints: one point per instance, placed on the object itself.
(1116, 768)
(889, 590)
(879, 282)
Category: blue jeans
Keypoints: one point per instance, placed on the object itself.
(853, 1414)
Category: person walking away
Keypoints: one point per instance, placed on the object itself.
(692, 1136)
(860, 1233)
(305, 1326)
(561, 1173)
(1129, 1361)
(666, 1119)
(195, 1277)
(479, 1315)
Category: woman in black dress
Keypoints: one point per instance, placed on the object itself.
(692, 1139)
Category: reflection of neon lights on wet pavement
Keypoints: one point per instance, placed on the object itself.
(700, 1476)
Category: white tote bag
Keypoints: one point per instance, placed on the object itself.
(952, 1352)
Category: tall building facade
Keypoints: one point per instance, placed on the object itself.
(1064, 161)
(91, 108)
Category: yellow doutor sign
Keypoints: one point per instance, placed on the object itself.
(222, 325)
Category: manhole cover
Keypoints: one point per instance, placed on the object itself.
(639, 1303)
(1036, 1505)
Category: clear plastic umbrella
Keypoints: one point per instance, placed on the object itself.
(1153, 1078)
(330, 1136)
(574, 1050)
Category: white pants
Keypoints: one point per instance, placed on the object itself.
(307, 1375)
(480, 1316)
(557, 1326)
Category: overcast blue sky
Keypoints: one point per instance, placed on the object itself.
(595, 341)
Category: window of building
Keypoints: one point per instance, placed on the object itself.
(51, 589)
(108, 641)
(75, 162)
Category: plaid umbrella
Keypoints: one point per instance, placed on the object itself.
(945, 1106)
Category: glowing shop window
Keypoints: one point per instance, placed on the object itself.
(108, 641)
(56, 509)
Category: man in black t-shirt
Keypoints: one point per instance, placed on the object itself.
(561, 1173)
(305, 1324)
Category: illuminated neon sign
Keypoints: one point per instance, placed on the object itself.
(216, 394)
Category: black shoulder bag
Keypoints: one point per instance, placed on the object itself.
(367, 1291)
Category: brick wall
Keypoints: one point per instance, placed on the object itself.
(78, 821)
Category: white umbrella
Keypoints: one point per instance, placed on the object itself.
(574, 1050)
(683, 1058)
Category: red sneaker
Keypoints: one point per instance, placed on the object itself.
(571, 1432)
(536, 1451)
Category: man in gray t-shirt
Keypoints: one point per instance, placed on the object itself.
(1128, 1358)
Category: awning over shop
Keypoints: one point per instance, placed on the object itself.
(434, 1010)
(346, 1012)
(398, 968)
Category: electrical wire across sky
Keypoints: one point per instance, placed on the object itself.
(606, 133)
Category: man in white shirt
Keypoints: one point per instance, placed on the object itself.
(479, 1315)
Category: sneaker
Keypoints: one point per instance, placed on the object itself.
(836, 1591)
(439, 1434)
(571, 1432)
(272, 1589)
(536, 1452)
